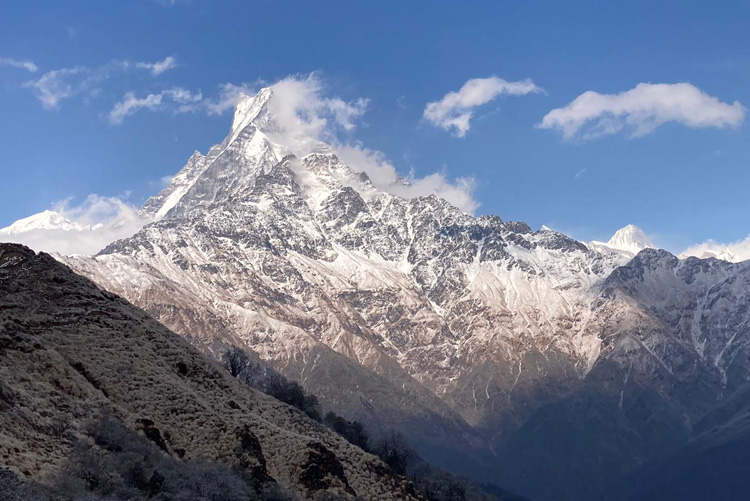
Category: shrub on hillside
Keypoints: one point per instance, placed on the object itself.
(119, 463)
(292, 393)
(353, 431)
(392, 447)
(241, 366)
(394, 450)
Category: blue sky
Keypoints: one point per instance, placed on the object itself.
(683, 181)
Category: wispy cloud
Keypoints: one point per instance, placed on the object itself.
(580, 173)
(229, 95)
(641, 110)
(55, 86)
(455, 109)
(302, 100)
(159, 67)
(15, 63)
(297, 99)
(383, 174)
(130, 104)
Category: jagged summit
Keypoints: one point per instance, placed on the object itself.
(630, 238)
(256, 144)
(253, 109)
(627, 241)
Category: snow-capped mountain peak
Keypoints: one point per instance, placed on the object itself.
(45, 220)
(252, 109)
(84, 229)
(627, 241)
(630, 238)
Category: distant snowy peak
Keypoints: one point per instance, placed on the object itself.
(627, 241)
(735, 252)
(722, 254)
(47, 220)
(630, 238)
(95, 225)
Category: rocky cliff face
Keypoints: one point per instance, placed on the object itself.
(70, 351)
(395, 311)
(472, 334)
(675, 353)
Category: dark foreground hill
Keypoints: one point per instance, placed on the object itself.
(89, 380)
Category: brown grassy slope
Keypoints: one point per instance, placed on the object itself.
(69, 350)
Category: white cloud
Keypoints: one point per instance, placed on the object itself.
(305, 117)
(734, 251)
(159, 67)
(57, 85)
(90, 226)
(186, 101)
(130, 104)
(641, 110)
(455, 109)
(229, 95)
(383, 174)
(14, 63)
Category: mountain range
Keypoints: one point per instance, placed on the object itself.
(80, 367)
(559, 369)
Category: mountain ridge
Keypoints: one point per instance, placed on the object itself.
(353, 237)
(478, 337)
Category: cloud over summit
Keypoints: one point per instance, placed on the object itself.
(307, 115)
